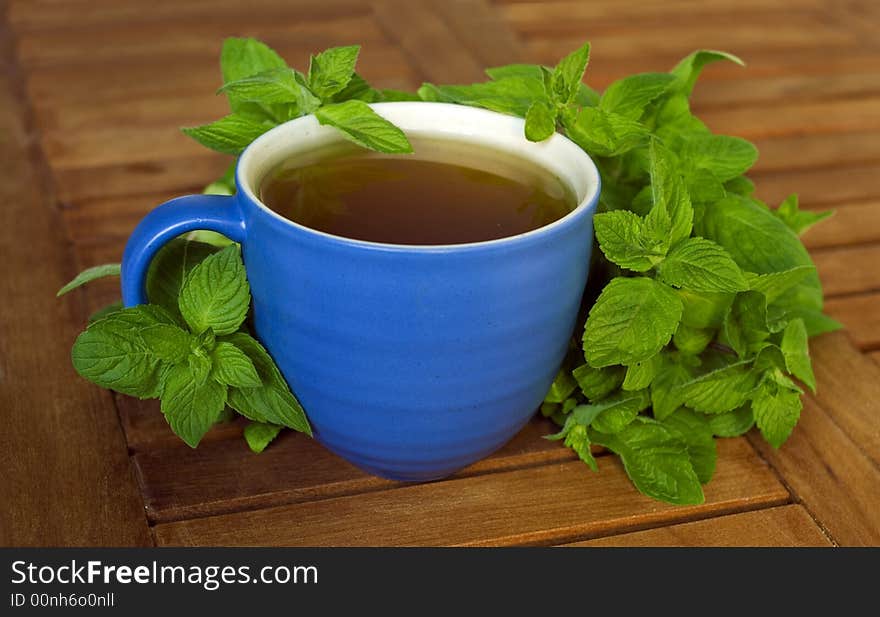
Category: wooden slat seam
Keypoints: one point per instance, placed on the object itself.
(561, 536)
(795, 498)
(162, 517)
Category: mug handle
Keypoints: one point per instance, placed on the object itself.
(220, 213)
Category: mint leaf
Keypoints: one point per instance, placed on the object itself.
(216, 294)
(232, 367)
(112, 354)
(688, 70)
(561, 388)
(509, 95)
(818, 323)
(694, 429)
(669, 195)
(625, 240)
(692, 340)
(726, 157)
(332, 69)
(540, 121)
(169, 269)
(276, 86)
(243, 57)
(359, 89)
(741, 186)
(760, 243)
(576, 437)
(106, 311)
(360, 124)
(568, 74)
(597, 383)
(389, 94)
(224, 185)
(88, 275)
(665, 394)
(774, 284)
(797, 353)
(603, 133)
(260, 434)
(719, 391)
(628, 97)
(732, 423)
(701, 265)
(641, 374)
(656, 460)
(167, 342)
(632, 319)
(703, 186)
(704, 309)
(777, 408)
(798, 220)
(230, 134)
(191, 402)
(271, 402)
(745, 325)
(616, 412)
(532, 71)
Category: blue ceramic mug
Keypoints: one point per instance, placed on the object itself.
(410, 361)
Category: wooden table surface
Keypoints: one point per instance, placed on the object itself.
(92, 93)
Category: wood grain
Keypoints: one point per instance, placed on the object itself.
(424, 35)
(847, 390)
(66, 475)
(539, 505)
(845, 270)
(861, 316)
(852, 223)
(830, 475)
(777, 527)
(223, 475)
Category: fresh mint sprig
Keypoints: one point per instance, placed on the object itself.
(192, 353)
(704, 297)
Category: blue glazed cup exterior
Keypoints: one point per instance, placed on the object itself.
(411, 361)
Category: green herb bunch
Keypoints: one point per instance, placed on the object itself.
(704, 296)
(189, 347)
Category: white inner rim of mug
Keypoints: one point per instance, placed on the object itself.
(436, 121)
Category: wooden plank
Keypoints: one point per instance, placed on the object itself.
(123, 178)
(429, 43)
(845, 270)
(830, 475)
(168, 41)
(61, 87)
(875, 355)
(674, 40)
(820, 186)
(539, 505)
(769, 90)
(67, 479)
(781, 526)
(861, 316)
(852, 223)
(36, 16)
(608, 64)
(811, 151)
(481, 30)
(223, 475)
(796, 118)
(848, 388)
(525, 14)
